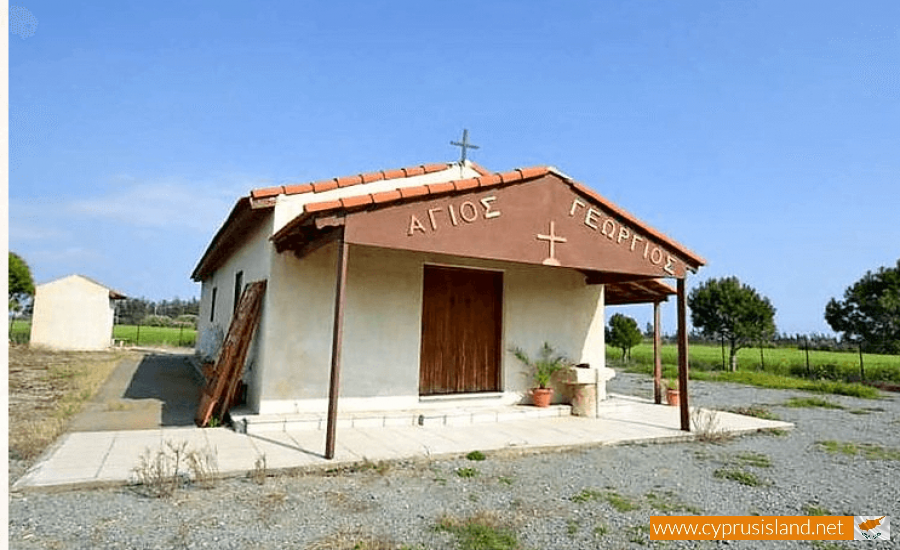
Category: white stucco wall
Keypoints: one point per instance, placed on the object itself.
(73, 313)
(382, 327)
(253, 258)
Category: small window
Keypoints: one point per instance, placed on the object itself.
(238, 287)
(212, 305)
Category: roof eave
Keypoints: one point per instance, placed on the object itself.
(242, 217)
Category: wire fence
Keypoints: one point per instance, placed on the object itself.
(184, 335)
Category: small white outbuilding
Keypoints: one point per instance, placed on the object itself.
(73, 313)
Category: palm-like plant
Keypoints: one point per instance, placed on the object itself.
(547, 363)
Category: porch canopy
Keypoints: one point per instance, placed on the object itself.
(536, 216)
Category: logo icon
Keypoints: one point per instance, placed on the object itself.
(871, 528)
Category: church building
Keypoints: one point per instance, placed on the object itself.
(394, 289)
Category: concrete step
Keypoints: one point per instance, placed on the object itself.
(247, 422)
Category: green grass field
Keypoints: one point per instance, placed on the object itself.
(829, 372)
(148, 336)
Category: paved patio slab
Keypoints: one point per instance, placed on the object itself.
(86, 459)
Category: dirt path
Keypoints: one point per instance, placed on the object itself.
(144, 392)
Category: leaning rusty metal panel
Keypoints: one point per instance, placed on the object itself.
(544, 221)
(223, 380)
(461, 325)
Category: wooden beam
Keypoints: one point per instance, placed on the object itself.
(601, 278)
(337, 336)
(683, 358)
(325, 238)
(657, 356)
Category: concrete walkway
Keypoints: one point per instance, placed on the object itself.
(86, 459)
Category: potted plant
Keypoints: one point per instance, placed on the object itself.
(672, 393)
(542, 368)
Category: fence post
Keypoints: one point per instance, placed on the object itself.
(722, 338)
(180, 332)
(808, 373)
(137, 339)
(862, 371)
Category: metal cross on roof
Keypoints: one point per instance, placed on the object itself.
(464, 144)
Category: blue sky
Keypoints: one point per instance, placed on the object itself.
(763, 135)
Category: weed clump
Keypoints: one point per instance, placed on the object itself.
(869, 451)
(810, 402)
(619, 502)
(482, 531)
(159, 474)
(706, 427)
(741, 476)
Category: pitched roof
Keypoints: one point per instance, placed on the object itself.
(113, 294)
(266, 196)
(385, 198)
(263, 200)
(250, 210)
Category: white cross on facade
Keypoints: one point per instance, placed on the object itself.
(552, 238)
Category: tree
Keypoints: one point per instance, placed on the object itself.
(869, 314)
(21, 284)
(624, 333)
(729, 310)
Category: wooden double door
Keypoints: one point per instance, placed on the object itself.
(461, 331)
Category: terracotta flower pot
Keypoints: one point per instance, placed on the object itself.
(672, 397)
(541, 396)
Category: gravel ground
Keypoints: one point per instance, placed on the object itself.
(398, 505)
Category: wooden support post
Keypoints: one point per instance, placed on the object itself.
(683, 358)
(336, 339)
(657, 356)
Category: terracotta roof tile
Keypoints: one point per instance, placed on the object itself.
(437, 167)
(322, 206)
(462, 185)
(386, 196)
(490, 181)
(369, 177)
(534, 172)
(589, 192)
(392, 174)
(267, 192)
(358, 200)
(511, 176)
(324, 185)
(347, 181)
(440, 187)
(298, 188)
(407, 192)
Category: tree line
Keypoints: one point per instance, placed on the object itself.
(142, 311)
(730, 312)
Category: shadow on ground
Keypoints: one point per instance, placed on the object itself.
(147, 391)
